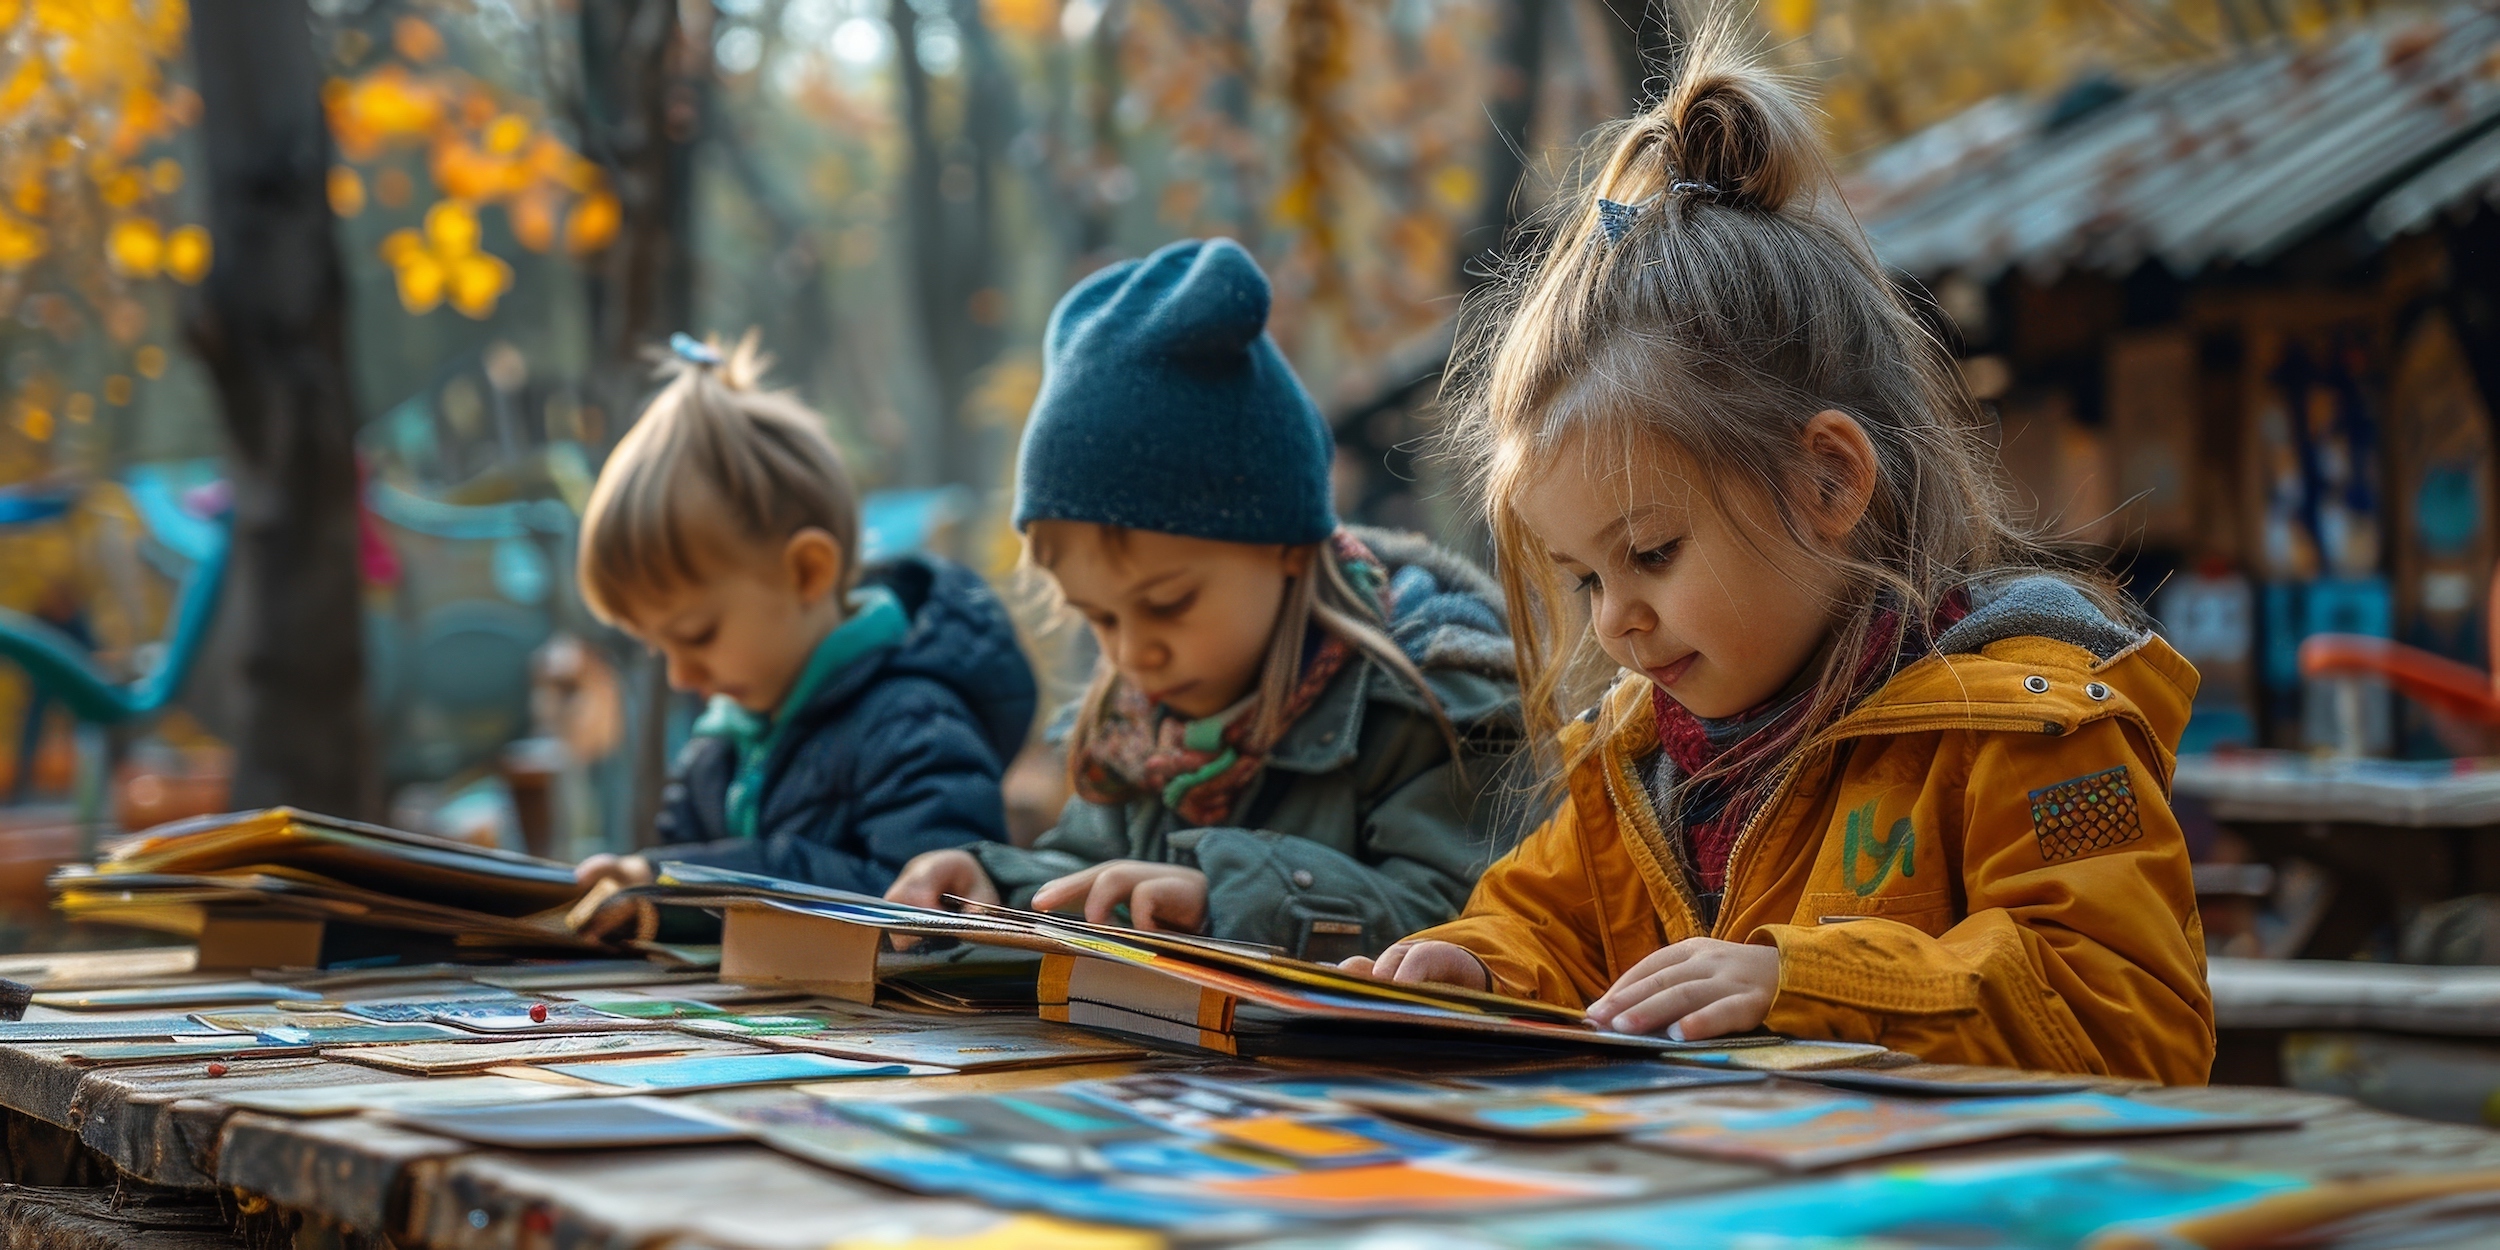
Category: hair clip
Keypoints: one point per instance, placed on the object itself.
(1616, 218)
(692, 350)
(1693, 188)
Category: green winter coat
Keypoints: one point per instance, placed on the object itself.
(1362, 829)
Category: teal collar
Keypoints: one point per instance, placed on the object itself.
(877, 622)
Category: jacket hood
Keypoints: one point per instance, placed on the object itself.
(2044, 607)
(2036, 655)
(960, 637)
(1447, 616)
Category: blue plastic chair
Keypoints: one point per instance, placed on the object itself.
(62, 668)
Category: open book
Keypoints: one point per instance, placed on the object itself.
(291, 873)
(1234, 997)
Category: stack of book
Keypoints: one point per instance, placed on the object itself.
(1234, 998)
(281, 888)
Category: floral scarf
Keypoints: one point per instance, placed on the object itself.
(1742, 752)
(1201, 768)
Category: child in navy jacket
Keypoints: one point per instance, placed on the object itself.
(856, 717)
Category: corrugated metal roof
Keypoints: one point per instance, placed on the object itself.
(2228, 161)
(2454, 182)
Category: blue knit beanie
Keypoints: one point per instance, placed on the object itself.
(1165, 406)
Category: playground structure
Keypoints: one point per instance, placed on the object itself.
(2447, 687)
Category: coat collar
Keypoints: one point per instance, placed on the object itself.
(2023, 684)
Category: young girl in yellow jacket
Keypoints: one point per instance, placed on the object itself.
(1872, 771)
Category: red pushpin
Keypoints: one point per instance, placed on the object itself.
(215, 1068)
(538, 1013)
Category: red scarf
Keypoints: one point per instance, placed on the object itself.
(1742, 763)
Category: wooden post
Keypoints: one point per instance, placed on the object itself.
(271, 326)
(640, 111)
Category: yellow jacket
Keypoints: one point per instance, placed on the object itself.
(1976, 865)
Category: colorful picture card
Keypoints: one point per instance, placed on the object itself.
(1603, 1078)
(662, 1009)
(140, 998)
(578, 1124)
(480, 1054)
(724, 1071)
(1789, 1056)
(1050, 1132)
(1550, 1117)
(1802, 1128)
(1143, 1174)
(980, 1048)
(758, 1026)
(2059, 1200)
(219, 1046)
(835, 1136)
(512, 1014)
(1420, 1185)
(126, 1028)
(1321, 1089)
(322, 1028)
(1241, 1117)
(450, 1091)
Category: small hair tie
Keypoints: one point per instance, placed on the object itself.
(1616, 218)
(1693, 188)
(692, 350)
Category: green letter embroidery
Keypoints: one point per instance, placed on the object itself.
(1901, 848)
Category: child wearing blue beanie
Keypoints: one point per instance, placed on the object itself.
(1296, 727)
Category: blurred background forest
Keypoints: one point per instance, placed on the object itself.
(517, 198)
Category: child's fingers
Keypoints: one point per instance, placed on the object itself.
(1113, 884)
(1444, 963)
(1670, 1003)
(1166, 903)
(1734, 1013)
(917, 887)
(1386, 968)
(1653, 973)
(1059, 893)
(974, 883)
(1359, 965)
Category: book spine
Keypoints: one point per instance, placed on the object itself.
(1108, 994)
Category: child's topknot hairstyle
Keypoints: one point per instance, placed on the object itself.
(715, 464)
(1705, 285)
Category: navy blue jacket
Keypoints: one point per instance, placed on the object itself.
(899, 753)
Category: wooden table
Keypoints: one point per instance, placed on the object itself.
(2285, 787)
(150, 1156)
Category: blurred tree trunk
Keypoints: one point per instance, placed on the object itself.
(1518, 79)
(990, 122)
(271, 326)
(641, 107)
(949, 202)
(1642, 34)
(1106, 151)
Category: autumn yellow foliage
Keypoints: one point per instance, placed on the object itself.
(481, 150)
(87, 220)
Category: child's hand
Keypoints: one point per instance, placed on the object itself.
(596, 915)
(929, 878)
(1165, 897)
(1697, 988)
(625, 870)
(1443, 963)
